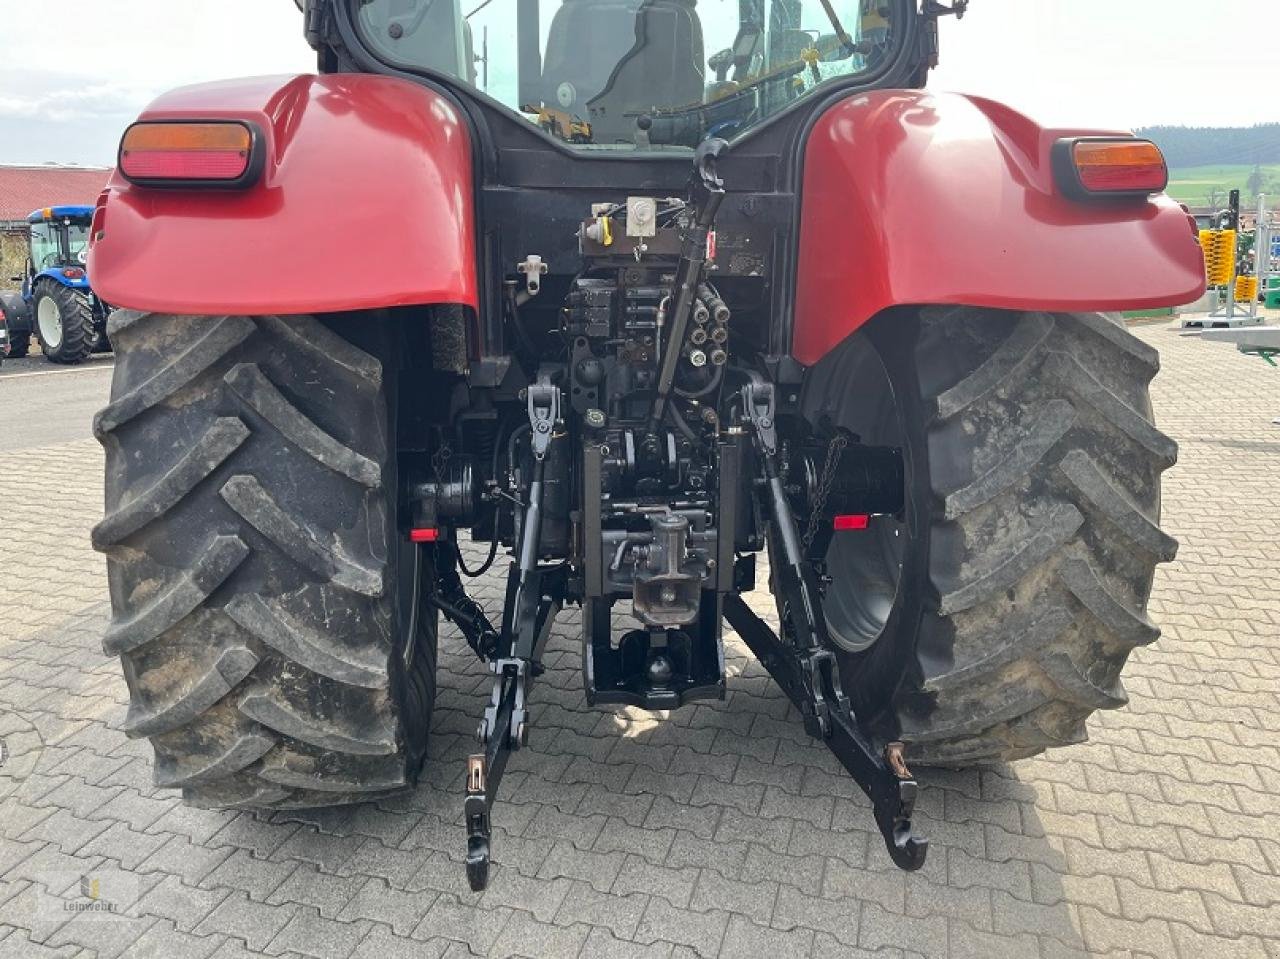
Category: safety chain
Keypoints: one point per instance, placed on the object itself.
(834, 452)
(440, 461)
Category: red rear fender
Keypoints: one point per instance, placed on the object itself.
(365, 201)
(916, 198)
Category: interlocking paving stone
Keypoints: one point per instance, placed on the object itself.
(310, 934)
(382, 943)
(542, 897)
(164, 941)
(450, 919)
(714, 830)
(255, 922)
(182, 905)
(675, 885)
(701, 931)
(184, 860)
(107, 938)
(377, 901)
(257, 877)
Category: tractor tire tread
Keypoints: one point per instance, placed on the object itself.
(77, 322)
(267, 706)
(1007, 364)
(233, 664)
(1048, 426)
(1049, 552)
(19, 345)
(224, 334)
(1087, 477)
(251, 385)
(247, 496)
(345, 661)
(249, 576)
(218, 442)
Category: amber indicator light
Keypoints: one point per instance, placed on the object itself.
(1120, 166)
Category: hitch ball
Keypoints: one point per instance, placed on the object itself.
(659, 670)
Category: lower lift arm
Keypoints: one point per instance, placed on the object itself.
(805, 667)
(534, 596)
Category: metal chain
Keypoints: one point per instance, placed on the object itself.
(440, 460)
(834, 452)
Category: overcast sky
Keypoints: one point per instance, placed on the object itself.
(66, 94)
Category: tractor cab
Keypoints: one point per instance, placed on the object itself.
(627, 74)
(59, 243)
(57, 303)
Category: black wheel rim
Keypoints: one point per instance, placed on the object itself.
(856, 394)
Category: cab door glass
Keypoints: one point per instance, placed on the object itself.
(46, 248)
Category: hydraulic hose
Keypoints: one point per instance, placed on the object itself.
(717, 375)
(693, 256)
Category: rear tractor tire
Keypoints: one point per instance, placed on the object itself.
(19, 345)
(991, 619)
(264, 605)
(64, 319)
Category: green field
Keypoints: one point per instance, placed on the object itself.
(1193, 185)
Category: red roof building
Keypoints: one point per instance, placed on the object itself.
(27, 188)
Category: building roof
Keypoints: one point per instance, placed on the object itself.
(27, 188)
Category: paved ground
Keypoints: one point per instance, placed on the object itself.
(715, 832)
(57, 403)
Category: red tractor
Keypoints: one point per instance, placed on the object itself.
(755, 289)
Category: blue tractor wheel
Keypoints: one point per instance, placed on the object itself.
(63, 317)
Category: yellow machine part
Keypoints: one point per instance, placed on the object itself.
(1219, 248)
(1246, 289)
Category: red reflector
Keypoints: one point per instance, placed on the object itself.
(213, 151)
(424, 535)
(182, 165)
(73, 273)
(851, 521)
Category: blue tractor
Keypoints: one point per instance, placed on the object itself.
(57, 302)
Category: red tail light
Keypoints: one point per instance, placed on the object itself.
(1110, 167)
(73, 273)
(424, 534)
(847, 521)
(221, 153)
